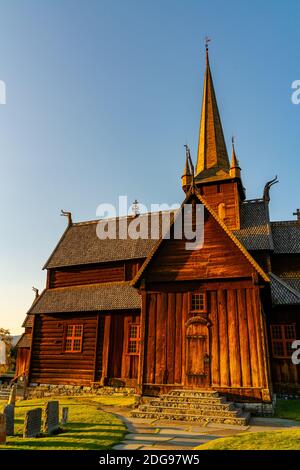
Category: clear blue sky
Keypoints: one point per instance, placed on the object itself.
(101, 97)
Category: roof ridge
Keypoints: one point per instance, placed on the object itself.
(251, 201)
(82, 286)
(223, 226)
(143, 214)
(285, 222)
(287, 286)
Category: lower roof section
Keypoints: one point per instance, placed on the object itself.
(96, 297)
(282, 292)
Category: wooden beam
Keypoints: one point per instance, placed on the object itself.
(142, 342)
(105, 354)
(96, 349)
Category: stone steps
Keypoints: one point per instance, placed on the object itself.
(205, 401)
(201, 406)
(204, 419)
(195, 411)
(191, 405)
(4, 394)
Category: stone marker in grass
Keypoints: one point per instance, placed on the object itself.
(51, 417)
(65, 415)
(32, 423)
(9, 411)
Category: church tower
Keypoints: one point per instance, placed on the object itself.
(218, 181)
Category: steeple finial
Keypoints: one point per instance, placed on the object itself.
(207, 41)
(235, 170)
(188, 172)
(212, 153)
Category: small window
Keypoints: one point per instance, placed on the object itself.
(134, 338)
(198, 302)
(282, 338)
(73, 341)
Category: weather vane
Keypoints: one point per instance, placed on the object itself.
(207, 40)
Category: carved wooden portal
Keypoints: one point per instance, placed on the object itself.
(197, 353)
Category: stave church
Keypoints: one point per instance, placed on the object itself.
(153, 316)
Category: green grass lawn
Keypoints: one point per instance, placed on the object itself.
(288, 409)
(288, 439)
(88, 428)
(272, 440)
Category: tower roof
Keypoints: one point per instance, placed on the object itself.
(212, 160)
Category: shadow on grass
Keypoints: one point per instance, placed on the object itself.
(93, 425)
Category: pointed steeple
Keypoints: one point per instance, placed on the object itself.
(187, 174)
(212, 157)
(235, 170)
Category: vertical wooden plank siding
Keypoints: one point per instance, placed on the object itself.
(171, 325)
(140, 373)
(244, 338)
(178, 340)
(223, 338)
(106, 340)
(252, 340)
(233, 340)
(96, 349)
(214, 341)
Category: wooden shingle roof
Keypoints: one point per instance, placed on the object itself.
(24, 341)
(80, 245)
(286, 237)
(96, 297)
(255, 232)
(283, 293)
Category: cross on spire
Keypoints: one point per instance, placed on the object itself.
(297, 214)
(135, 208)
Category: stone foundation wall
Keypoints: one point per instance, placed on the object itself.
(258, 409)
(46, 390)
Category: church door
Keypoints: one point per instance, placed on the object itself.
(197, 353)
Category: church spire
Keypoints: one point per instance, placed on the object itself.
(235, 170)
(212, 153)
(186, 178)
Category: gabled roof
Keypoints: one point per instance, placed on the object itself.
(24, 341)
(230, 234)
(28, 322)
(286, 237)
(96, 297)
(255, 232)
(81, 245)
(282, 293)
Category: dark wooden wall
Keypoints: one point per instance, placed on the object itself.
(236, 338)
(121, 364)
(49, 363)
(219, 258)
(104, 349)
(226, 192)
(93, 274)
(285, 374)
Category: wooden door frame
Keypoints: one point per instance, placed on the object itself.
(202, 319)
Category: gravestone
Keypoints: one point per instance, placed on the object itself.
(2, 428)
(12, 395)
(51, 417)
(65, 415)
(32, 423)
(9, 411)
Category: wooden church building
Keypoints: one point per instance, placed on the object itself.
(150, 314)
